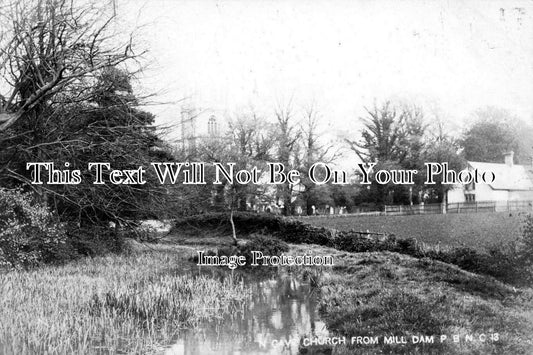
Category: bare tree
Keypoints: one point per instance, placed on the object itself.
(252, 147)
(65, 73)
(287, 140)
(49, 47)
(314, 150)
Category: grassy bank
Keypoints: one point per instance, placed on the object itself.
(384, 294)
(115, 304)
(510, 261)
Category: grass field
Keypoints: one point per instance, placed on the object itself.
(477, 230)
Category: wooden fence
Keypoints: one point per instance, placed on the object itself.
(439, 208)
(490, 206)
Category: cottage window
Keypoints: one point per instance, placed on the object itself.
(470, 198)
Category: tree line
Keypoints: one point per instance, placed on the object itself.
(396, 136)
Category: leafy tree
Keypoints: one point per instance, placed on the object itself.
(524, 142)
(108, 128)
(383, 131)
(442, 151)
(393, 137)
(490, 136)
(344, 195)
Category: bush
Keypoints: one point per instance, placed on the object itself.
(527, 241)
(265, 244)
(29, 232)
(94, 240)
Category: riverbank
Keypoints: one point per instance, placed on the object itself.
(132, 303)
(139, 302)
(399, 300)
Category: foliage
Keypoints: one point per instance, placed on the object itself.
(345, 195)
(94, 240)
(382, 134)
(108, 129)
(265, 244)
(394, 138)
(441, 151)
(490, 136)
(71, 103)
(527, 240)
(29, 232)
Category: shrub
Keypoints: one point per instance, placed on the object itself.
(266, 244)
(94, 240)
(504, 263)
(29, 232)
(527, 241)
(355, 244)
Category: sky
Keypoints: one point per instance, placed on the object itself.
(449, 57)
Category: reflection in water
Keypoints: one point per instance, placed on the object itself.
(281, 313)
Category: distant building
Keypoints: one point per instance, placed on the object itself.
(201, 125)
(512, 183)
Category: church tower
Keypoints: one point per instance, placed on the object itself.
(188, 128)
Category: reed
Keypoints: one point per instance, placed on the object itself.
(116, 304)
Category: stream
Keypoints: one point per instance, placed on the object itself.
(283, 311)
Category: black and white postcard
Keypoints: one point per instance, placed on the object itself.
(266, 177)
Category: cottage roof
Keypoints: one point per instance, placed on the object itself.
(508, 177)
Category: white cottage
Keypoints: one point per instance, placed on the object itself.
(512, 183)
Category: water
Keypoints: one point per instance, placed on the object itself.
(282, 312)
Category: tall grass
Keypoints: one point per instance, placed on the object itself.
(113, 304)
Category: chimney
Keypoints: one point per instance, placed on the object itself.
(509, 158)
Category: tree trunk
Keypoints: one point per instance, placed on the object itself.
(234, 232)
(8, 119)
